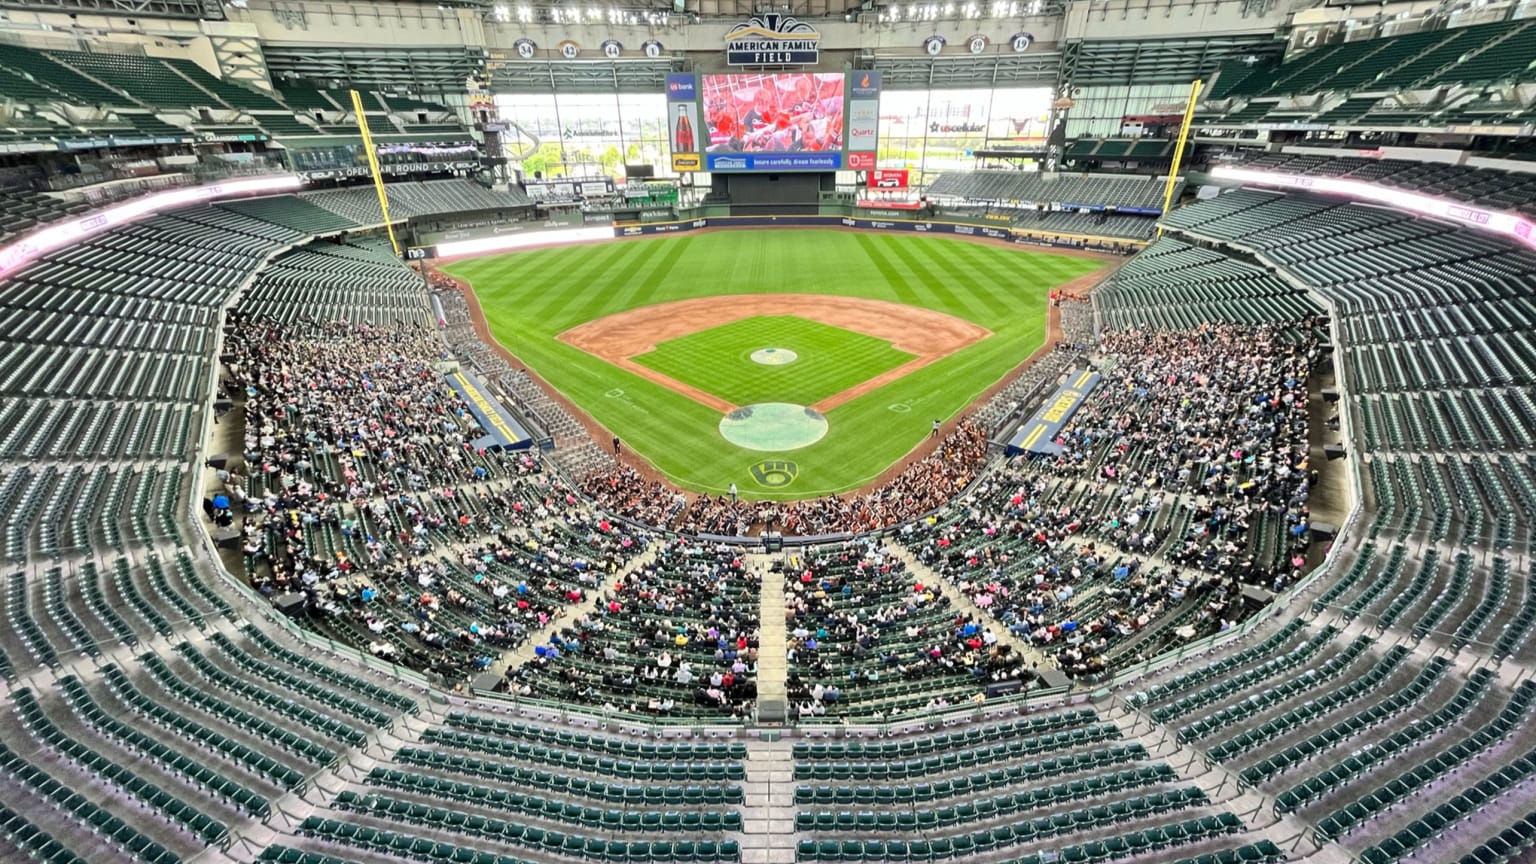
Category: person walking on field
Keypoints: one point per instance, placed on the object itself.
(733, 490)
(616, 448)
(935, 432)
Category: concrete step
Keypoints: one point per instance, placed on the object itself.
(772, 654)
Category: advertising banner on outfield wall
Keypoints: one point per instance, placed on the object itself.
(1125, 247)
(821, 221)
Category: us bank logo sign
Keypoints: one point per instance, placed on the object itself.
(772, 39)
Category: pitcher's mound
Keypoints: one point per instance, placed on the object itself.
(774, 356)
(773, 427)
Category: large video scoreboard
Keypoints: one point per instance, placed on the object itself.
(774, 122)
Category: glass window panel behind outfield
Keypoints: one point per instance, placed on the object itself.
(931, 131)
(583, 134)
(1099, 111)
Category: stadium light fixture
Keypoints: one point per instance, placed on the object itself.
(1494, 221)
(56, 236)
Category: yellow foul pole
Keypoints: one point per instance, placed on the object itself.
(1178, 150)
(373, 167)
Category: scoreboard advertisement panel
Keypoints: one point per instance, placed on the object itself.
(684, 135)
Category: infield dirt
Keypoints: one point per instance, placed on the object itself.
(924, 333)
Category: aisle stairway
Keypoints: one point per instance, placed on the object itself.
(768, 822)
(772, 662)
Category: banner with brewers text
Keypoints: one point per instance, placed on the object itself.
(503, 432)
(1038, 435)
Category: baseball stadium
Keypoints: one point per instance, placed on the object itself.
(651, 431)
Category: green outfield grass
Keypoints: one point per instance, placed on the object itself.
(531, 297)
(718, 360)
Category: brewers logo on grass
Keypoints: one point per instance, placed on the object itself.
(775, 473)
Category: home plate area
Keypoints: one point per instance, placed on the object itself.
(773, 427)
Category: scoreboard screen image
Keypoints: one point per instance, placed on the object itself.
(792, 112)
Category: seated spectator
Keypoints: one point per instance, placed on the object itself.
(364, 474)
(681, 631)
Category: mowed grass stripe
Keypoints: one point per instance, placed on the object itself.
(897, 283)
(653, 282)
(997, 286)
(941, 297)
(640, 260)
(537, 272)
(985, 285)
(549, 279)
(580, 306)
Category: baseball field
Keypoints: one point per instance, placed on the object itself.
(794, 363)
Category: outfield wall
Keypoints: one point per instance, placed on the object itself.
(864, 223)
(532, 234)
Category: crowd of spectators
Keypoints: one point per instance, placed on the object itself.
(857, 621)
(675, 636)
(1180, 478)
(366, 499)
(1027, 388)
(924, 485)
